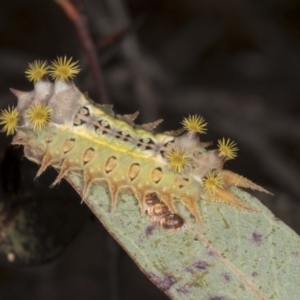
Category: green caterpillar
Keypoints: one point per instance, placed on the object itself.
(61, 127)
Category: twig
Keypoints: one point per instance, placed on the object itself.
(76, 17)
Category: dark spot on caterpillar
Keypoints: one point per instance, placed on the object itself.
(257, 238)
(148, 148)
(146, 141)
(217, 298)
(105, 124)
(78, 122)
(254, 274)
(84, 111)
(124, 134)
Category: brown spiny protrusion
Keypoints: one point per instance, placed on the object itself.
(223, 196)
(152, 125)
(167, 199)
(192, 205)
(132, 117)
(65, 168)
(230, 178)
(48, 160)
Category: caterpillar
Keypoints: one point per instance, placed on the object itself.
(61, 127)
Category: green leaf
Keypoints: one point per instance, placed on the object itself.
(237, 255)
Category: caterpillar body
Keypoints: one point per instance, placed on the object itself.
(61, 127)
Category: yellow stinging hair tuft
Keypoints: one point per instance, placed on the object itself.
(9, 119)
(38, 116)
(63, 68)
(178, 160)
(212, 182)
(227, 148)
(36, 70)
(194, 123)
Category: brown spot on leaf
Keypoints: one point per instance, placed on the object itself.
(149, 230)
(164, 283)
(183, 290)
(201, 265)
(257, 238)
(226, 276)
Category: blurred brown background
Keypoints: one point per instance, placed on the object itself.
(236, 62)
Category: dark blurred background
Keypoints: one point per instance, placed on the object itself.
(236, 62)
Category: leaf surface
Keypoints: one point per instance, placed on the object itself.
(237, 255)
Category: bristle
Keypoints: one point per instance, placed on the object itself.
(234, 179)
(167, 199)
(192, 205)
(63, 68)
(62, 173)
(37, 70)
(9, 119)
(17, 93)
(227, 149)
(194, 123)
(224, 196)
(152, 125)
(46, 162)
(132, 117)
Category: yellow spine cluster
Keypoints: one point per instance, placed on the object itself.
(63, 68)
(227, 149)
(37, 70)
(212, 182)
(178, 160)
(9, 119)
(38, 116)
(194, 123)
